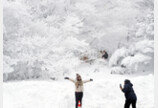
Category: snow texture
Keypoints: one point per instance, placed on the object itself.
(44, 39)
(103, 92)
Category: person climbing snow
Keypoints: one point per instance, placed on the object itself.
(130, 95)
(78, 87)
(105, 55)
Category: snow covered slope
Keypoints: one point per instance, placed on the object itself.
(103, 92)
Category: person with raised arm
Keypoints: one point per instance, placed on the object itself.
(78, 87)
(130, 95)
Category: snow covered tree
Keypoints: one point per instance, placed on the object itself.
(138, 53)
(49, 38)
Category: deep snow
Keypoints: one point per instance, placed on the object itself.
(103, 92)
(48, 38)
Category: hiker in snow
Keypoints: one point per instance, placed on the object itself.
(130, 95)
(78, 87)
(105, 55)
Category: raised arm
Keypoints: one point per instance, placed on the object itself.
(70, 79)
(85, 81)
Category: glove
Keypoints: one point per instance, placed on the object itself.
(66, 77)
(91, 79)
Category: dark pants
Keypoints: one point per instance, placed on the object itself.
(78, 96)
(129, 102)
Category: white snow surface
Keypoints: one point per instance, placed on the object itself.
(103, 92)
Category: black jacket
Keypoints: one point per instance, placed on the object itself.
(105, 55)
(129, 92)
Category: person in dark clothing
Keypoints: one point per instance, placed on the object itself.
(105, 55)
(78, 87)
(130, 95)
